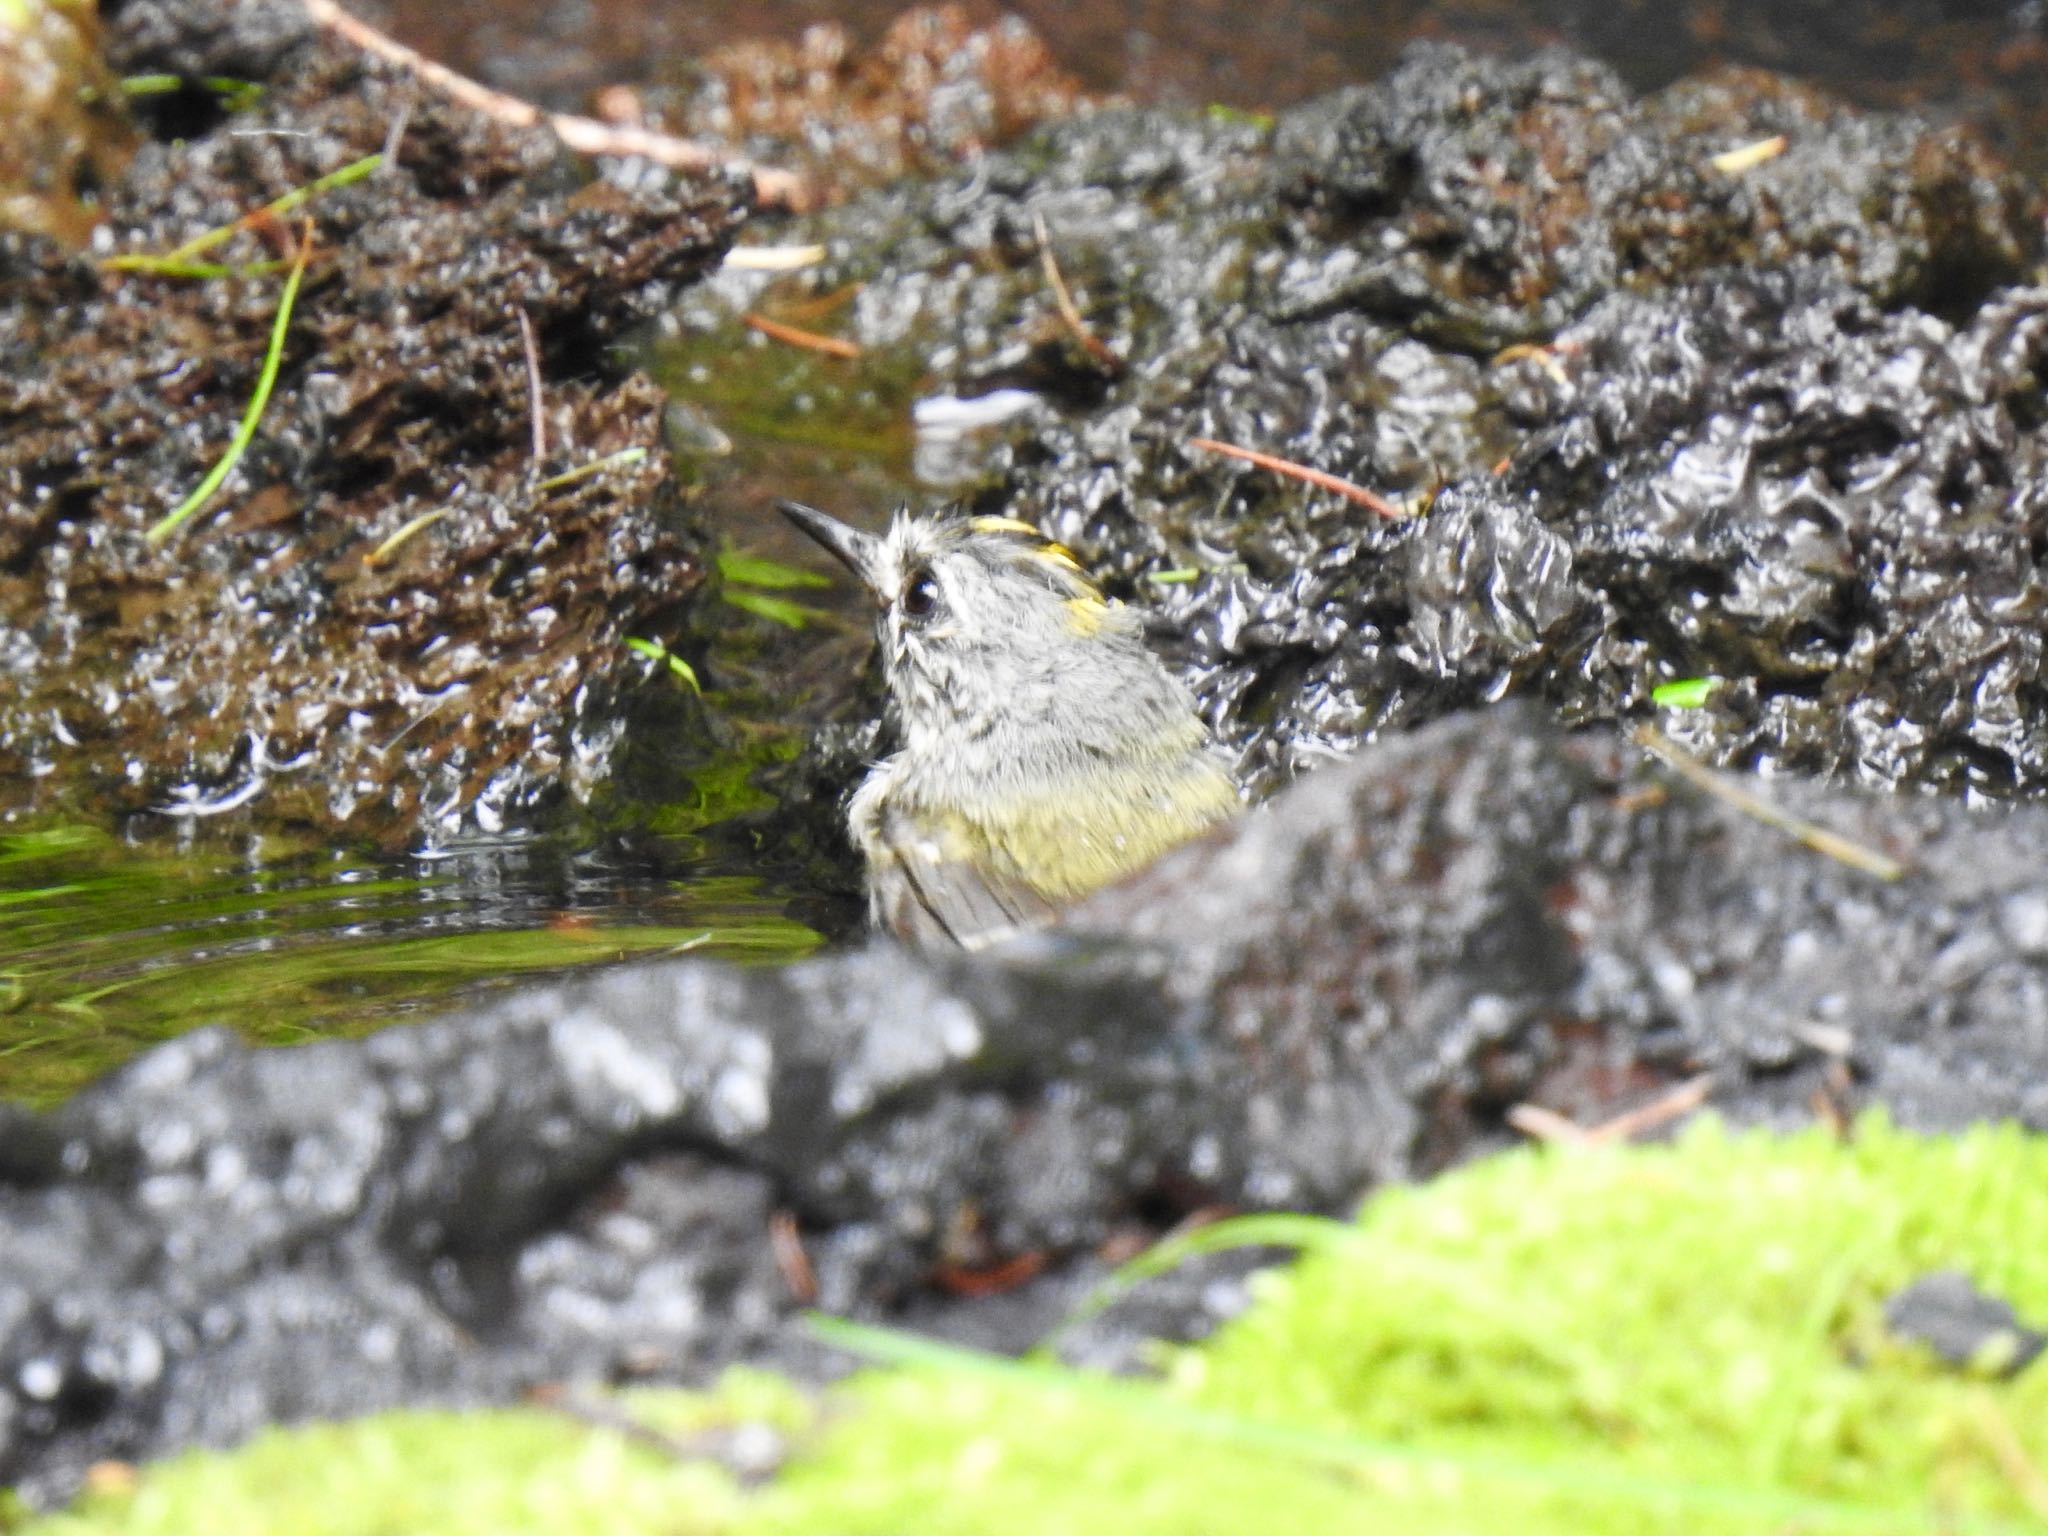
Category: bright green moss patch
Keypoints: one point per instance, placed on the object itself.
(452, 1474)
(1683, 1339)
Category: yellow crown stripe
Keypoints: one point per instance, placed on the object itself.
(994, 524)
(1046, 549)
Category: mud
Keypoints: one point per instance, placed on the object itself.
(1348, 987)
(271, 653)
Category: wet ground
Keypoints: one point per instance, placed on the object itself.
(1725, 388)
(653, 1172)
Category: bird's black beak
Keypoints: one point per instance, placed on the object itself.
(859, 552)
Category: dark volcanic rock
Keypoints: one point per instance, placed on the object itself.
(1345, 987)
(268, 652)
(1782, 424)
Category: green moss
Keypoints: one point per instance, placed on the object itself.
(449, 1474)
(1680, 1339)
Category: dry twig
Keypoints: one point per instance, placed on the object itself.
(1733, 162)
(787, 1242)
(583, 134)
(835, 346)
(1754, 806)
(1548, 1125)
(534, 404)
(1316, 477)
(1093, 344)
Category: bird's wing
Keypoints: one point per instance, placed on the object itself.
(928, 895)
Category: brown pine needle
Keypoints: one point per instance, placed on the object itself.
(1315, 477)
(1818, 838)
(586, 135)
(834, 346)
(1093, 344)
(534, 403)
(787, 1243)
(1541, 1124)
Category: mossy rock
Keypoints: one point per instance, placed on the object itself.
(1674, 1339)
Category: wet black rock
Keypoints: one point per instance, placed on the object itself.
(1778, 420)
(1962, 1325)
(276, 653)
(1349, 986)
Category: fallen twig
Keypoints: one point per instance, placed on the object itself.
(536, 407)
(772, 258)
(1548, 1125)
(834, 346)
(2003, 1442)
(1818, 838)
(1745, 157)
(787, 1242)
(1093, 344)
(1316, 477)
(586, 135)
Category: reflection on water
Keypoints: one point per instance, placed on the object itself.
(106, 948)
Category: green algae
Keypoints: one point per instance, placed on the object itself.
(107, 949)
(1674, 1339)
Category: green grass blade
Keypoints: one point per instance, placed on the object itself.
(246, 432)
(171, 262)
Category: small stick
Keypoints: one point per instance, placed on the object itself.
(835, 346)
(1540, 1124)
(1533, 1120)
(1818, 838)
(602, 1413)
(1095, 346)
(1745, 157)
(1316, 477)
(595, 466)
(534, 403)
(1676, 1102)
(772, 258)
(583, 134)
(788, 1245)
(384, 551)
(395, 135)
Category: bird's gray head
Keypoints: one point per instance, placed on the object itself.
(982, 619)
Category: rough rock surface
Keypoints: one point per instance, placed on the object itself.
(1346, 987)
(1780, 423)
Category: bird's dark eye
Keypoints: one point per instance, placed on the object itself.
(921, 596)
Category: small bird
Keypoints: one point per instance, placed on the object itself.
(1044, 750)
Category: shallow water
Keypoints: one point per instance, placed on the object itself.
(112, 939)
(109, 945)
